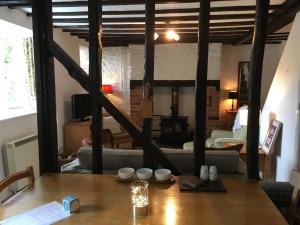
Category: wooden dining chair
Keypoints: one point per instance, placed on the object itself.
(18, 176)
(292, 218)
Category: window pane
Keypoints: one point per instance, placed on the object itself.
(15, 83)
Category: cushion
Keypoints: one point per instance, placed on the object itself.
(240, 134)
(188, 145)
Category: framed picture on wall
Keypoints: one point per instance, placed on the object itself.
(271, 136)
(243, 80)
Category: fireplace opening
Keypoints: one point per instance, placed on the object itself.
(174, 128)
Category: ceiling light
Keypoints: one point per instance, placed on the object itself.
(172, 35)
(156, 35)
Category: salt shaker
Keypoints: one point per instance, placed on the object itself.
(204, 172)
(213, 174)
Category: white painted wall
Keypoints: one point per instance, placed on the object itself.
(65, 85)
(282, 103)
(232, 55)
(175, 61)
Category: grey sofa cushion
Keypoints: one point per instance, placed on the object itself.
(227, 162)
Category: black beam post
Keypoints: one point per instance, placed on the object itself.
(280, 18)
(45, 86)
(95, 71)
(256, 64)
(200, 90)
(148, 76)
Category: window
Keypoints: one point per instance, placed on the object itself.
(17, 87)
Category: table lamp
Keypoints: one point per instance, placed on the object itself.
(107, 88)
(232, 95)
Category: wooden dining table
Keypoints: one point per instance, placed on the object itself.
(105, 201)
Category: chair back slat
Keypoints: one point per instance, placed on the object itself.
(28, 173)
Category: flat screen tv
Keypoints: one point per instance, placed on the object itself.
(81, 106)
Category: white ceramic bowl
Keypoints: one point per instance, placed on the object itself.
(126, 173)
(162, 174)
(144, 173)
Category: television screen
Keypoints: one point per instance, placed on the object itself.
(81, 106)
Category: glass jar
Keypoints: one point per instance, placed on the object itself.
(139, 198)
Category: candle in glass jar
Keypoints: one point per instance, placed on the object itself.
(139, 198)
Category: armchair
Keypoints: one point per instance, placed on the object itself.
(218, 138)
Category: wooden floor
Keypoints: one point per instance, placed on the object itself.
(107, 202)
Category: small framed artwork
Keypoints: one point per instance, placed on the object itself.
(271, 136)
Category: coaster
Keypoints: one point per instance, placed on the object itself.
(152, 180)
(207, 186)
(119, 179)
(171, 180)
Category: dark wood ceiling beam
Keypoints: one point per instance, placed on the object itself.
(119, 2)
(17, 3)
(185, 25)
(227, 35)
(74, 33)
(164, 11)
(178, 29)
(128, 31)
(164, 19)
(142, 36)
(280, 19)
(111, 44)
(182, 40)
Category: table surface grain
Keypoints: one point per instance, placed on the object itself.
(105, 201)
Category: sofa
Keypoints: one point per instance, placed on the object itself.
(227, 162)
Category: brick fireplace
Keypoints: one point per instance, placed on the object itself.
(213, 101)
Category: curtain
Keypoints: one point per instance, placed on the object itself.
(30, 79)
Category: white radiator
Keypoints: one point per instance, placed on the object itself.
(19, 154)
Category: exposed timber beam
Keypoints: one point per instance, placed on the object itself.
(201, 84)
(164, 11)
(45, 86)
(178, 25)
(121, 2)
(16, 3)
(148, 78)
(81, 77)
(254, 86)
(159, 30)
(249, 16)
(95, 71)
(280, 19)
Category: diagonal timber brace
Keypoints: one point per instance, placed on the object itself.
(82, 78)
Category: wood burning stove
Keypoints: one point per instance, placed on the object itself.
(174, 128)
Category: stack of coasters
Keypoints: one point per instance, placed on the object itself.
(195, 184)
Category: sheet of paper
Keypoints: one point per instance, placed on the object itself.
(43, 215)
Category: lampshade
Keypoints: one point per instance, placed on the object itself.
(107, 88)
(233, 95)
